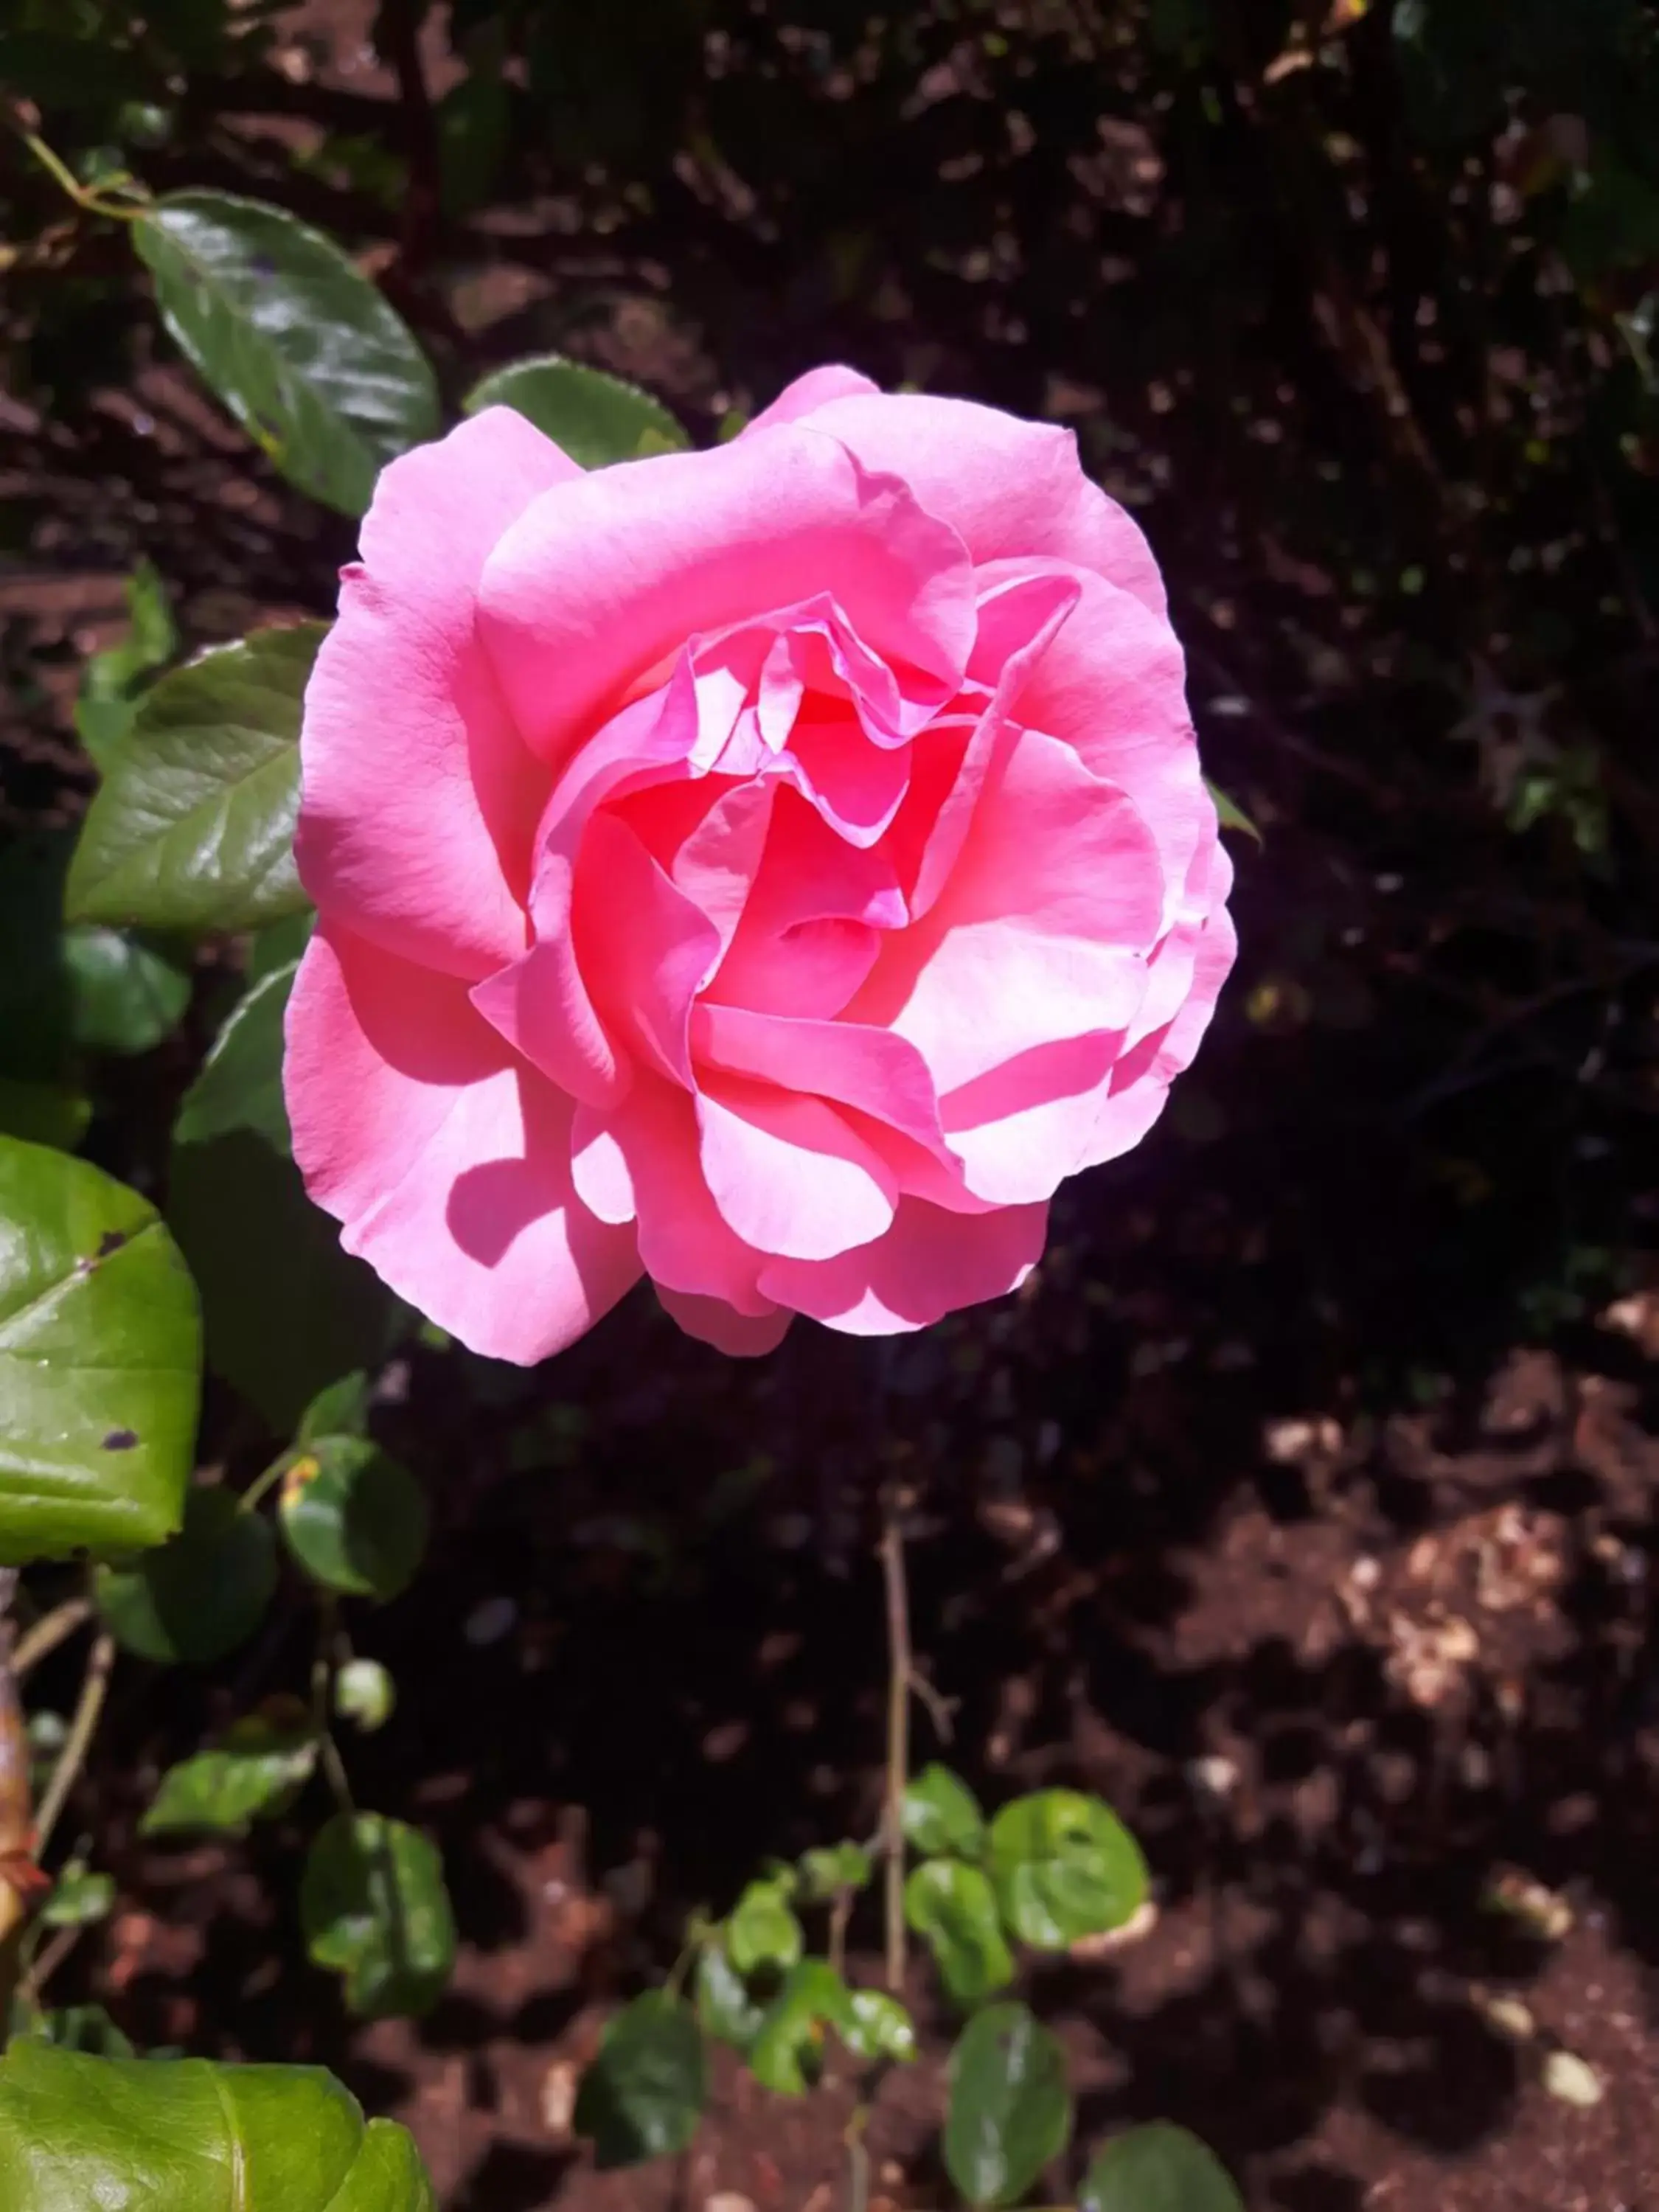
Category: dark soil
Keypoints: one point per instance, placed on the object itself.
(1304, 1503)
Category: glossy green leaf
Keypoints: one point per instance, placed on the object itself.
(375, 1911)
(199, 1595)
(1064, 1867)
(644, 2094)
(186, 2135)
(762, 1930)
(725, 2008)
(596, 417)
(257, 1772)
(1230, 814)
(192, 827)
(308, 356)
(1010, 2110)
(341, 1409)
(942, 1814)
(279, 944)
(876, 2025)
(353, 1517)
(1158, 2168)
(112, 680)
(953, 1908)
(831, 1870)
(80, 1898)
(788, 2052)
(127, 994)
(286, 1309)
(100, 1362)
(365, 1694)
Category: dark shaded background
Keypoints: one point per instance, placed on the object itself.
(1305, 1504)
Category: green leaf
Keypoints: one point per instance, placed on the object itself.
(365, 1694)
(762, 1930)
(375, 1911)
(725, 2008)
(186, 2135)
(1010, 2111)
(192, 827)
(281, 945)
(200, 1595)
(942, 1814)
(80, 1898)
(256, 1774)
(1064, 1867)
(876, 2025)
(127, 994)
(287, 1308)
(1230, 814)
(74, 2027)
(51, 1114)
(111, 680)
(100, 1362)
(953, 1908)
(788, 2053)
(831, 1870)
(304, 352)
(339, 1410)
(353, 1517)
(644, 2094)
(1158, 2168)
(596, 417)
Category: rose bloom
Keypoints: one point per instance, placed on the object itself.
(772, 870)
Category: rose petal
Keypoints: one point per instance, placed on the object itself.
(787, 1172)
(419, 798)
(930, 1263)
(447, 1164)
(743, 1336)
(603, 576)
(1041, 933)
(1006, 487)
(816, 389)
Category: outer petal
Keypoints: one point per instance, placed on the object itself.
(419, 800)
(744, 1336)
(816, 389)
(1005, 485)
(447, 1164)
(928, 1264)
(604, 577)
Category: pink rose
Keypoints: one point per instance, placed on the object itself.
(774, 870)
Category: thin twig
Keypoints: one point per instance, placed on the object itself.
(46, 1962)
(51, 1629)
(397, 39)
(15, 1825)
(94, 1687)
(939, 1706)
(841, 1911)
(901, 1675)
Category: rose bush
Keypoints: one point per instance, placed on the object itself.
(773, 869)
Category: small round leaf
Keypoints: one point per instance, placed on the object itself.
(763, 1931)
(257, 1772)
(831, 1870)
(788, 2052)
(941, 1814)
(1064, 1867)
(1158, 2168)
(725, 2008)
(374, 1909)
(953, 1908)
(595, 418)
(198, 1596)
(79, 1899)
(354, 1518)
(877, 2026)
(1010, 2109)
(644, 2094)
(365, 1694)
